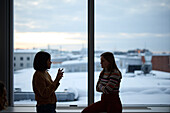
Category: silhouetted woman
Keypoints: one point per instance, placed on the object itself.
(3, 98)
(108, 83)
(43, 86)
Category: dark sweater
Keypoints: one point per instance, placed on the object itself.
(44, 88)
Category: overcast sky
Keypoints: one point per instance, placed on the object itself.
(120, 25)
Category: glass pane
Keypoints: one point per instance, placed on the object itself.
(58, 27)
(138, 34)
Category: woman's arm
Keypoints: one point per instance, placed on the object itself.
(113, 83)
(58, 77)
(98, 86)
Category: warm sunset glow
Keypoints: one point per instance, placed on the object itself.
(28, 40)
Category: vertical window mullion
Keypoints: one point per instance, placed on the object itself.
(90, 52)
(10, 51)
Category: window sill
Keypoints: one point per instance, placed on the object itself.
(31, 109)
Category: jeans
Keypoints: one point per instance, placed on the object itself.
(47, 108)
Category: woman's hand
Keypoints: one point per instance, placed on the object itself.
(59, 74)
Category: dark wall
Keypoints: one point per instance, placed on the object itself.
(2, 40)
(6, 46)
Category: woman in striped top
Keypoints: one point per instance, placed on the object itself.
(108, 84)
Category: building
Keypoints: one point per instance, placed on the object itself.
(130, 63)
(161, 62)
(24, 58)
(80, 65)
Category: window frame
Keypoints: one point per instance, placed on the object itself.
(90, 6)
(6, 47)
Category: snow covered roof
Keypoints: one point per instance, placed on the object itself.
(161, 55)
(82, 60)
(127, 57)
(134, 89)
(26, 50)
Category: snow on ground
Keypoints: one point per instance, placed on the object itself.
(135, 88)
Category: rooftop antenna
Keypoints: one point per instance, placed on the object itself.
(60, 49)
(48, 46)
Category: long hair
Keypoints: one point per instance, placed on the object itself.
(110, 58)
(40, 61)
(3, 98)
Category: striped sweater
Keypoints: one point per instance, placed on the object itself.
(109, 83)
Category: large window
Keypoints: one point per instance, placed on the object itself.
(58, 27)
(138, 33)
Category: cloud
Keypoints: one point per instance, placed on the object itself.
(31, 25)
(35, 3)
(137, 35)
(155, 42)
(70, 1)
(130, 35)
(49, 15)
(118, 21)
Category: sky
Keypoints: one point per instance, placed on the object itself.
(120, 25)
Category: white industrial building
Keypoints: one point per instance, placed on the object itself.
(74, 63)
(80, 65)
(24, 58)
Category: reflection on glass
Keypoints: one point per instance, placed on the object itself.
(131, 30)
(58, 27)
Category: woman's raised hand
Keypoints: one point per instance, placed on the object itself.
(60, 73)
